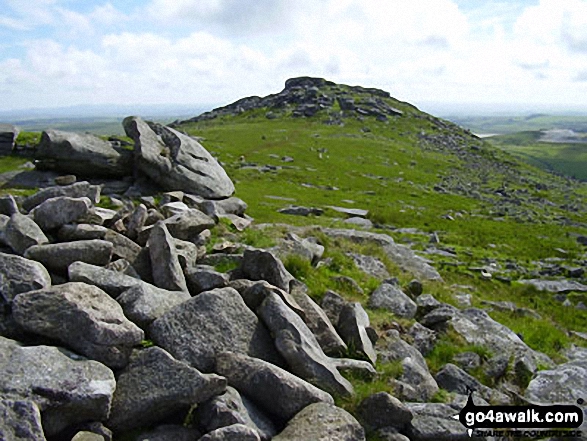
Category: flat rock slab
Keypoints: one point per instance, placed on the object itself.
(82, 154)
(154, 385)
(77, 190)
(393, 299)
(273, 389)
(58, 256)
(322, 422)
(175, 161)
(81, 316)
(299, 347)
(20, 420)
(18, 275)
(210, 323)
(370, 265)
(22, 232)
(350, 211)
(557, 286)
(77, 390)
(187, 225)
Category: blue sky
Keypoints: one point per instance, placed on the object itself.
(210, 52)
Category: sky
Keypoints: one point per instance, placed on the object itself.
(469, 53)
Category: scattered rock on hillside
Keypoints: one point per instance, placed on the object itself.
(301, 211)
(22, 232)
(273, 389)
(76, 190)
(57, 257)
(383, 410)
(391, 298)
(370, 265)
(322, 422)
(154, 385)
(558, 286)
(212, 322)
(77, 390)
(262, 265)
(352, 326)
(8, 135)
(82, 154)
(18, 275)
(55, 212)
(175, 161)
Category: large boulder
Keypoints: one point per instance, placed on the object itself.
(322, 422)
(77, 390)
(212, 322)
(175, 161)
(299, 347)
(18, 275)
(167, 272)
(61, 210)
(391, 297)
(58, 256)
(8, 135)
(82, 317)
(82, 154)
(22, 232)
(273, 389)
(233, 408)
(76, 190)
(187, 225)
(154, 385)
(263, 265)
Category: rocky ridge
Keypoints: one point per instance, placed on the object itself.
(114, 321)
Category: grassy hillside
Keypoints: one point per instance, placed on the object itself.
(569, 159)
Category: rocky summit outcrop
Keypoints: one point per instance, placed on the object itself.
(175, 161)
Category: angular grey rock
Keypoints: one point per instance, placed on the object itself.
(82, 317)
(20, 420)
(167, 272)
(188, 253)
(322, 422)
(8, 205)
(187, 225)
(82, 154)
(424, 339)
(77, 190)
(8, 135)
(415, 371)
(383, 410)
(392, 298)
(71, 232)
(255, 294)
(352, 327)
(87, 436)
(212, 322)
(237, 222)
(295, 210)
(202, 279)
(293, 244)
(558, 286)
(122, 246)
(428, 303)
(77, 390)
(318, 322)
(299, 347)
(3, 222)
(390, 434)
(154, 385)
(58, 256)
(359, 222)
(172, 208)
(414, 288)
(454, 379)
(232, 205)
(438, 319)
(434, 421)
(18, 275)
(176, 161)
(468, 361)
(61, 210)
(370, 265)
(233, 432)
(357, 368)
(273, 389)
(232, 408)
(22, 233)
(262, 265)
(111, 282)
(144, 303)
(478, 328)
(170, 432)
(136, 221)
(332, 304)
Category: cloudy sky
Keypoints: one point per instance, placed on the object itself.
(211, 52)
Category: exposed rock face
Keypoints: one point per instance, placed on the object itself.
(18, 275)
(8, 135)
(167, 272)
(82, 154)
(22, 232)
(262, 265)
(76, 391)
(352, 326)
(233, 408)
(58, 256)
(322, 422)
(212, 322)
(176, 161)
(299, 347)
(273, 389)
(20, 420)
(81, 316)
(390, 297)
(55, 212)
(154, 385)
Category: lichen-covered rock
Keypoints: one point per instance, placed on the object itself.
(188, 224)
(77, 190)
(167, 272)
(61, 210)
(175, 161)
(262, 265)
(20, 420)
(210, 323)
(22, 232)
(18, 275)
(77, 390)
(273, 389)
(322, 422)
(154, 385)
(82, 317)
(58, 256)
(391, 297)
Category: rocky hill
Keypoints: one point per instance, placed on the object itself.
(396, 263)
